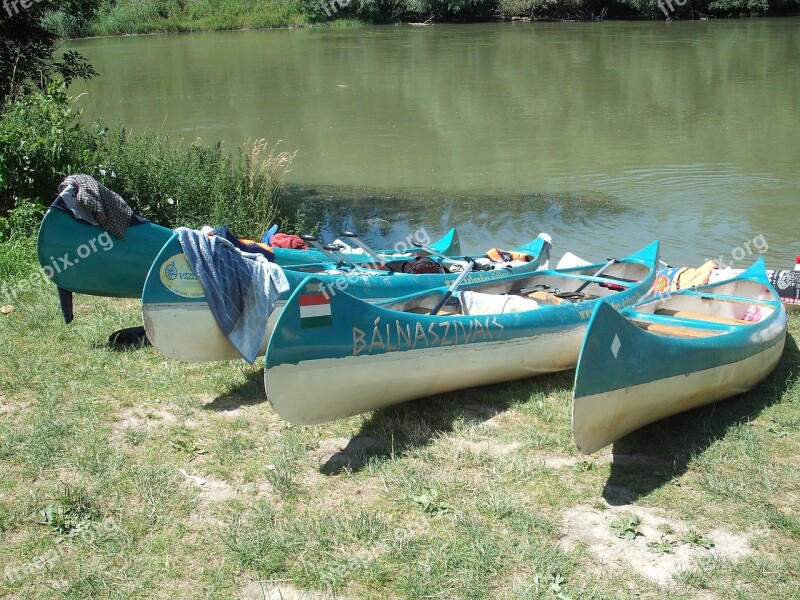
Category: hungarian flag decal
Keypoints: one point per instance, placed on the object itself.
(315, 308)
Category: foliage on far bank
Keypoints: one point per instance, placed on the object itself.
(654, 9)
(42, 140)
(149, 16)
(115, 17)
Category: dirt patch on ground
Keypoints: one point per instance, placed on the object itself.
(259, 590)
(591, 527)
(607, 456)
(556, 461)
(490, 447)
(144, 420)
(338, 454)
(486, 415)
(563, 461)
(19, 406)
(212, 490)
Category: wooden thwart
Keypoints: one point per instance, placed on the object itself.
(675, 330)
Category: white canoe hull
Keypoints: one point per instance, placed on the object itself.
(601, 419)
(387, 379)
(188, 332)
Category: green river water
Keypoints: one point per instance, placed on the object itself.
(605, 135)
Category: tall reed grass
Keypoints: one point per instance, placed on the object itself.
(42, 140)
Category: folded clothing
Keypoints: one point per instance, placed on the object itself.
(287, 240)
(672, 279)
(497, 255)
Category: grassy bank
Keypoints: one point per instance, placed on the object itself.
(127, 475)
(138, 16)
(116, 17)
(169, 182)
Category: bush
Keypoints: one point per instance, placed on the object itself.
(29, 57)
(42, 141)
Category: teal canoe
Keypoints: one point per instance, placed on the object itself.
(180, 325)
(333, 355)
(86, 259)
(448, 244)
(674, 352)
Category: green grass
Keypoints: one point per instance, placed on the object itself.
(464, 495)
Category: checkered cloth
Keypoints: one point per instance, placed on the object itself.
(106, 206)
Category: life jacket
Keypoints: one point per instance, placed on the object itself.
(497, 255)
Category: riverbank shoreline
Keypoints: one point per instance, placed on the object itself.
(353, 23)
(126, 18)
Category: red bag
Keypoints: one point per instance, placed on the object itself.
(286, 240)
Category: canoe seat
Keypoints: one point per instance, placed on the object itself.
(547, 297)
(701, 317)
(675, 330)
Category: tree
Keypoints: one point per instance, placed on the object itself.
(28, 47)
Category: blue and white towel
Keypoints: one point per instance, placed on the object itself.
(241, 288)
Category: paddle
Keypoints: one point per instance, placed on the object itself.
(602, 270)
(539, 287)
(343, 258)
(327, 250)
(352, 235)
(431, 251)
(453, 287)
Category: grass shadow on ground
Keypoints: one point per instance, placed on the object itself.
(248, 393)
(654, 455)
(407, 427)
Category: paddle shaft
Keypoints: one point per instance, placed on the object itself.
(453, 288)
(314, 241)
(343, 258)
(585, 284)
(367, 249)
(432, 251)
